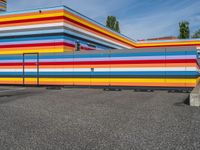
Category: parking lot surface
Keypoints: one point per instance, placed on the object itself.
(40, 118)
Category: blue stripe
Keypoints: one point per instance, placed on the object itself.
(156, 73)
(11, 57)
(154, 53)
(33, 38)
(64, 55)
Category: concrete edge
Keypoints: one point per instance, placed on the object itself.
(195, 96)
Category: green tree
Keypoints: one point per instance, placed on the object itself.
(112, 23)
(117, 27)
(184, 30)
(196, 34)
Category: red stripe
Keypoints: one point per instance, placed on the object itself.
(31, 20)
(104, 62)
(44, 44)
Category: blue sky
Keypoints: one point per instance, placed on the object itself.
(139, 19)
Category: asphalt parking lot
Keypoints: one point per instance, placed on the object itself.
(38, 118)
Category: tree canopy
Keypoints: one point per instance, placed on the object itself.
(196, 34)
(184, 30)
(112, 23)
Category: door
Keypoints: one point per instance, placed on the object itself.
(31, 69)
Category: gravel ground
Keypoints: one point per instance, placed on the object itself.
(37, 118)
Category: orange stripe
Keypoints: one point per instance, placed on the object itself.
(11, 82)
(164, 84)
(31, 14)
(55, 83)
(120, 84)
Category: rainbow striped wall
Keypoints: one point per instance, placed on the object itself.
(54, 30)
(37, 48)
(161, 67)
(3, 5)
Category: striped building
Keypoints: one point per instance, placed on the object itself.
(37, 47)
(3, 5)
(150, 68)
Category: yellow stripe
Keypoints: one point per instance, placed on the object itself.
(169, 43)
(105, 81)
(156, 80)
(37, 15)
(53, 50)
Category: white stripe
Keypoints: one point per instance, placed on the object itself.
(32, 26)
(33, 41)
(103, 69)
(150, 69)
(11, 70)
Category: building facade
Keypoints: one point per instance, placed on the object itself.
(39, 47)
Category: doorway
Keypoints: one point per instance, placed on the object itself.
(31, 69)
